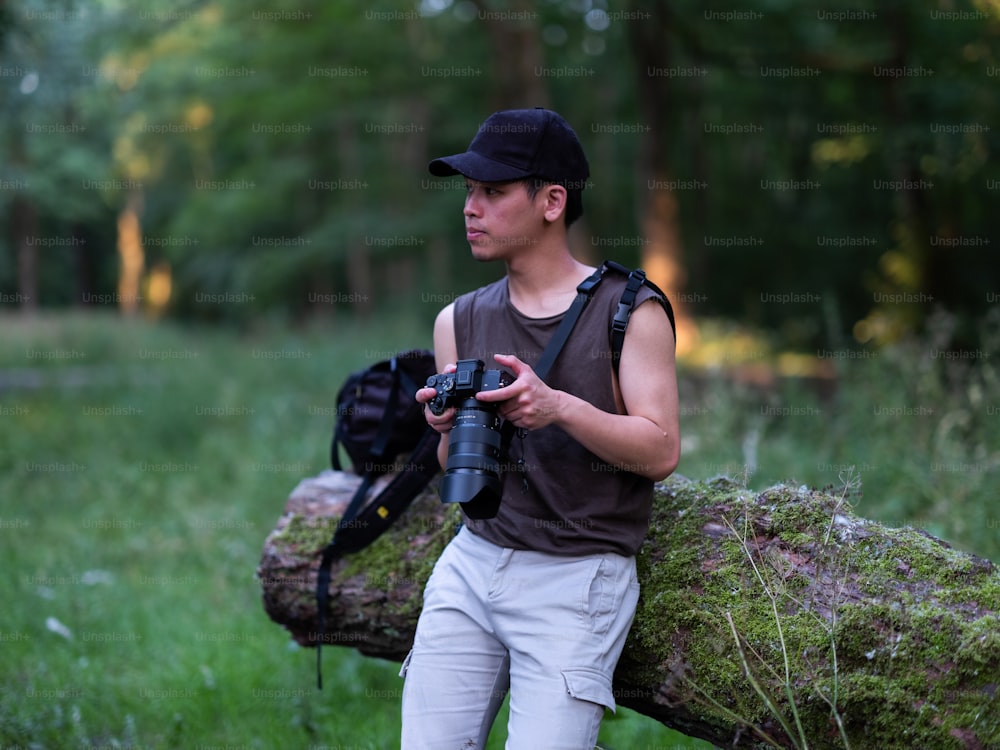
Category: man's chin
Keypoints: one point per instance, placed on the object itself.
(482, 250)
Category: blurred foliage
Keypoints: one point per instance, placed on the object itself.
(832, 165)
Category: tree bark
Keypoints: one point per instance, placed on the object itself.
(775, 618)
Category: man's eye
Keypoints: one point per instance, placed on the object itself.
(487, 190)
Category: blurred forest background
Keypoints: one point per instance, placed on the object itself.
(212, 211)
(822, 172)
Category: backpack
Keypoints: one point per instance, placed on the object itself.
(377, 416)
(378, 419)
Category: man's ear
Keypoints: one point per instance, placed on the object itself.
(554, 201)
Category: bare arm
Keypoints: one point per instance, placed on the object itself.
(445, 356)
(646, 438)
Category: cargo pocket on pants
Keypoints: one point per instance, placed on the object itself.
(589, 685)
(406, 664)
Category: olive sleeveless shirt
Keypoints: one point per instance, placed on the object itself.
(558, 497)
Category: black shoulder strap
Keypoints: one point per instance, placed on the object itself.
(584, 293)
(331, 552)
(361, 524)
(619, 323)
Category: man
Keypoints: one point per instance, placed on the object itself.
(538, 601)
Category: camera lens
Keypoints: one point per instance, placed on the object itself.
(472, 473)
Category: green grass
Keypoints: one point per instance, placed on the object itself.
(141, 467)
(916, 425)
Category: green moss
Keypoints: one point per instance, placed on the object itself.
(979, 649)
(383, 566)
(392, 564)
(306, 533)
(914, 661)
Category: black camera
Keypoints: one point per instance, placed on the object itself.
(472, 473)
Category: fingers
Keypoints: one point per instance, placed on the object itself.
(513, 363)
(440, 422)
(526, 402)
(425, 394)
(521, 372)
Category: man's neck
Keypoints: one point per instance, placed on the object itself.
(543, 282)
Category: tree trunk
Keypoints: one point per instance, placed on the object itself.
(24, 219)
(659, 219)
(132, 257)
(515, 37)
(774, 618)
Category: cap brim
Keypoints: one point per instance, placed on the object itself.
(476, 167)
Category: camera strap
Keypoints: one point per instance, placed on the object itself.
(363, 521)
(584, 293)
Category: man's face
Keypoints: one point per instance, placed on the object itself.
(501, 220)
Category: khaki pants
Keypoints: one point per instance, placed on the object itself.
(548, 629)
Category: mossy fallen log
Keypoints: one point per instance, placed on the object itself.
(777, 618)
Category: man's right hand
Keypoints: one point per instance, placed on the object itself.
(440, 422)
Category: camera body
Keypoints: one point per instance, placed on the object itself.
(472, 472)
(469, 378)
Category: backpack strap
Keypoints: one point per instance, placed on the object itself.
(619, 323)
(331, 552)
(361, 524)
(584, 293)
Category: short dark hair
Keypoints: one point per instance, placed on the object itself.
(574, 196)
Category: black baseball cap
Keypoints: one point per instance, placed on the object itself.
(517, 143)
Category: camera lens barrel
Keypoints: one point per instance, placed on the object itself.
(472, 473)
